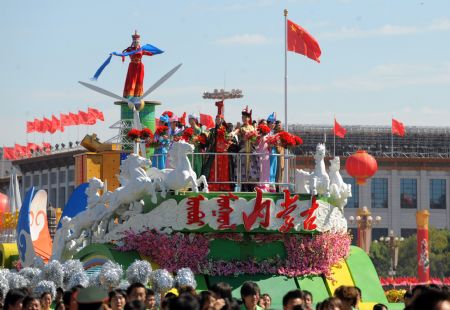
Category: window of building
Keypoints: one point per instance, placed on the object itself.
(62, 177)
(52, 197)
(438, 194)
(70, 190)
(71, 175)
(407, 232)
(379, 193)
(44, 179)
(61, 197)
(377, 233)
(27, 181)
(408, 193)
(353, 202)
(353, 233)
(53, 177)
(36, 180)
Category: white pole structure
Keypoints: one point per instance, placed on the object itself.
(286, 152)
(285, 70)
(392, 141)
(334, 137)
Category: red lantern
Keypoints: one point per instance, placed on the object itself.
(361, 166)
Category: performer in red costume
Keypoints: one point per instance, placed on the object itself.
(134, 83)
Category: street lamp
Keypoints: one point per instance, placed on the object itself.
(364, 221)
(393, 243)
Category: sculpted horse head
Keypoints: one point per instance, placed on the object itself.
(320, 151)
(133, 166)
(335, 164)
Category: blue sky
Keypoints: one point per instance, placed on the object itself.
(379, 58)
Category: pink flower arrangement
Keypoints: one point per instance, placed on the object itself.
(305, 254)
(411, 281)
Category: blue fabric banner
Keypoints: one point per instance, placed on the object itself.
(147, 48)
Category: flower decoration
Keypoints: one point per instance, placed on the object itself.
(44, 287)
(53, 272)
(200, 140)
(134, 134)
(146, 133)
(188, 133)
(161, 130)
(305, 254)
(168, 113)
(251, 135)
(70, 268)
(298, 140)
(263, 129)
(110, 274)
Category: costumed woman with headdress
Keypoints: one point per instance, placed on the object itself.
(273, 150)
(263, 150)
(217, 167)
(247, 136)
(192, 135)
(279, 150)
(162, 143)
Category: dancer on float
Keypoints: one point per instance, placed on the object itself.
(273, 150)
(163, 141)
(247, 136)
(217, 167)
(192, 135)
(263, 150)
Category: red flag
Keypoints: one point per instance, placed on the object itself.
(207, 120)
(9, 153)
(96, 113)
(66, 120)
(55, 124)
(30, 127)
(398, 128)
(75, 118)
(338, 130)
(301, 42)
(20, 150)
(46, 125)
(38, 125)
(46, 147)
(86, 118)
(33, 147)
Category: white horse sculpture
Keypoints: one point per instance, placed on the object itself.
(182, 176)
(316, 182)
(339, 191)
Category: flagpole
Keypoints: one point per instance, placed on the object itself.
(285, 70)
(392, 140)
(286, 152)
(334, 137)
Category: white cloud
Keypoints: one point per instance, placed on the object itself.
(386, 30)
(244, 39)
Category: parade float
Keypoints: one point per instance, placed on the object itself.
(295, 237)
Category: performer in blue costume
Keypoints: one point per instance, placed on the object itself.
(273, 150)
(162, 137)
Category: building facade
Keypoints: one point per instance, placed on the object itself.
(413, 173)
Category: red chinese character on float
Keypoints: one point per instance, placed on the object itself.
(309, 224)
(260, 210)
(225, 211)
(194, 214)
(289, 207)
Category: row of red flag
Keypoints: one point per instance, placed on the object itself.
(397, 128)
(23, 151)
(71, 119)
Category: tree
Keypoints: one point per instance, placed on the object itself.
(439, 242)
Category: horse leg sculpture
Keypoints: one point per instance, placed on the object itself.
(202, 180)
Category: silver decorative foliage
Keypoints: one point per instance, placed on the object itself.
(70, 268)
(4, 283)
(123, 285)
(185, 277)
(162, 280)
(80, 278)
(44, 287)
(94, 280)
(30, 273)
(110, 274)
(17, 281)
(140, 271)
(53, 272)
